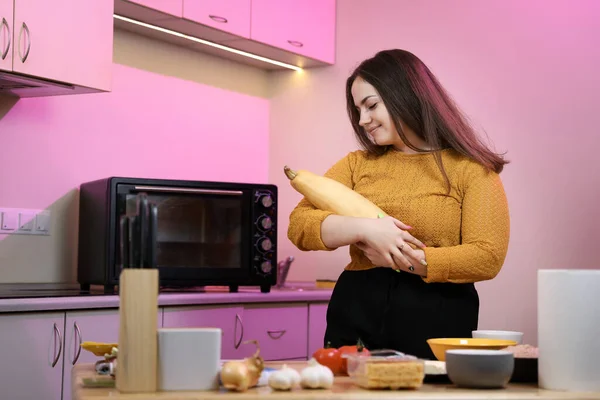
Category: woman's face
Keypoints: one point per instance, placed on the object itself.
(374, 117)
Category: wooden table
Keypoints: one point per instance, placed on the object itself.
(343, 388)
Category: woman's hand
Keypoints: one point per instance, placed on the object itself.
(375, 257)
(385, 242)
(411, 263)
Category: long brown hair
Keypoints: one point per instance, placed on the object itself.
(414, 96)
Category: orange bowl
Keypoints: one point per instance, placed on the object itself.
(440, 345)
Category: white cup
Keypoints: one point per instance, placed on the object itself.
(189, 358)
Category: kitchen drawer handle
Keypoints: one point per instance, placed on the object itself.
(296, 43)
(26, 28)
(78, 335)
(5, 53)
(276, 334)
(237, 344)
(57, 332)
(216, 18)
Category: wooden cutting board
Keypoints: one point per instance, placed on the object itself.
(343, 388)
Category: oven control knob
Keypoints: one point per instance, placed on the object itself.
(266, 200)
(265, 223)
(266, 267)
(265, 244)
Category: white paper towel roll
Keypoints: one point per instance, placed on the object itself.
(569, 329)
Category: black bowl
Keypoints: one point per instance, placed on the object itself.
(525, 371)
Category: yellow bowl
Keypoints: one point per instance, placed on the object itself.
(439, 346)
(99, 349)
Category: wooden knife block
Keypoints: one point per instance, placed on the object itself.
(138, 340)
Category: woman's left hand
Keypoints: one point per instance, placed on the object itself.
(415, 257)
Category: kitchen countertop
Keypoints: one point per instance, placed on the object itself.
(51, 297)
(343, 388)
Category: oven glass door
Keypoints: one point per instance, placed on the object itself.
(201, 233)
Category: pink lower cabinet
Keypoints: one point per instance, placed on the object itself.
(32, 355)
(317, 323)
(228, 318)
(281, 330)
(86, 326)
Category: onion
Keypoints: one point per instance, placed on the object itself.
(240, 375)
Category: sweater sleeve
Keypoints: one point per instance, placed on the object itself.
(485, 226)
(304, 229)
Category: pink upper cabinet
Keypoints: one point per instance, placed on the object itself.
(232, 16)
(172, 7)
(6, 34)
(69, 41)
(305, 27)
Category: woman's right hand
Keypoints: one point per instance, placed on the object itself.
(387, 236)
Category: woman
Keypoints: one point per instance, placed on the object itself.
(411, 275)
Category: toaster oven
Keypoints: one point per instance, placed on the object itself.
(208, 233)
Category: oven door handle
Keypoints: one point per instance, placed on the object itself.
(187, 190)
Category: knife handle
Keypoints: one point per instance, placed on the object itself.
(143, 215)
(124, 241)
(152, 236)
(134, 242)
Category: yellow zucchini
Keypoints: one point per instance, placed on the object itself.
(330, 195)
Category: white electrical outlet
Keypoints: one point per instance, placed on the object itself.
(19, 221)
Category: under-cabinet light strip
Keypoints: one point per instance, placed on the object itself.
(206, 42)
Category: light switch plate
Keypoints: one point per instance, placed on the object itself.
(26, 221)
(42, 221)
(9, 221)
(19, 221)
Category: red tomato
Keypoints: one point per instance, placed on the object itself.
(329, 357)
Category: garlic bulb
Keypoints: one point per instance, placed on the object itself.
(284, 379)
(316, 376)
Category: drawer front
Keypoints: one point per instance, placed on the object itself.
(281, 331)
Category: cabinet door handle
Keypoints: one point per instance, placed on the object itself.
(57, 333)
(5, 52)
(276, 334)
(237, 344)
(296, 43)
(25, 28)
(78, 335)
(216, 18)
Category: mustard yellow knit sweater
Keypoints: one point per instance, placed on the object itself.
(466, 232)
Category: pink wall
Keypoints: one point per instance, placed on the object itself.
(149, 126)
(526, 72)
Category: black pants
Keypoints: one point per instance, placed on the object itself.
(397, 310)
